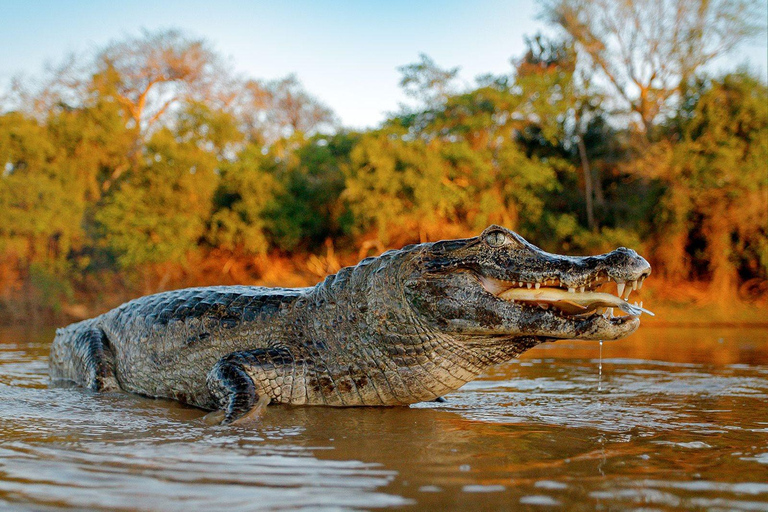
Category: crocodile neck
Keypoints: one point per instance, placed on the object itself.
(364, 344)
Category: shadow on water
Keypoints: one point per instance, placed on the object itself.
(679, 422)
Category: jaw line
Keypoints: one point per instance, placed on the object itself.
(520, 320)
(549, 323)
(565, 311)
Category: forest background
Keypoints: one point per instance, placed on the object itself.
(149, 165)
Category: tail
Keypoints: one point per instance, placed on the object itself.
(81, 354)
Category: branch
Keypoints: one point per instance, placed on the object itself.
(161, 111)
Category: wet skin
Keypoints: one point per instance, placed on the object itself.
(408, 326)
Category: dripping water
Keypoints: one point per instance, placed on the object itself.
(600, 369)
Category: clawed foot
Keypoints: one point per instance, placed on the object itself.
(249, 419)
(214, 418)
(253, 416)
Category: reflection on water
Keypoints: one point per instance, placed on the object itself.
(678, 419)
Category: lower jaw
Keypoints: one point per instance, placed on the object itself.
(595, 326)
(605, 312)
(612, 328)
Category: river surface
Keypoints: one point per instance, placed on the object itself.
(675, 419)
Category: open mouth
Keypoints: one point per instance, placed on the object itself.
(583, 301)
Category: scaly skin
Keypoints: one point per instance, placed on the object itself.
(410, 325)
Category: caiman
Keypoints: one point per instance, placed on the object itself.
(407, 326)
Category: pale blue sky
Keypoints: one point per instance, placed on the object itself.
(346, 53)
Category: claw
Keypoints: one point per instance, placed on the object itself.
(253, 416)
(214, 418)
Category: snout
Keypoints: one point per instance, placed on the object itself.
(625, 265)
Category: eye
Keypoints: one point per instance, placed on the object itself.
(496, 239)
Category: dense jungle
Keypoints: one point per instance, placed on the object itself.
(148, 164)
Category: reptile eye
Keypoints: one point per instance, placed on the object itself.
(496, 238)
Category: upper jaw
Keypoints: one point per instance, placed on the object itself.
(580, 284)
(576, 273)
(568, 304)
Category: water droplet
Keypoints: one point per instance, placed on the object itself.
(600, 369)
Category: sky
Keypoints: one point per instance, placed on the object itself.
(346, 53)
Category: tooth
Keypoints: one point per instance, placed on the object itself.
(629, 291)
(634, 285)
(610, 312)
(641, 304)
(572, 290)
(640, 283)
(538, 285)
(581, 289)
(619, 288)
(529, 285)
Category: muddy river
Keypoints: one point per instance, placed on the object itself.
(667, 419)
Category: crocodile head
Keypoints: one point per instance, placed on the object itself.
(498, 286)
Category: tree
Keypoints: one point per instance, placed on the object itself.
(42, 194)
(242, 203)
(149, 75)
(308, 207)
(441, 187)
(93, 134)
(428, 83)
(648, 50)
(400, 184)
(160, 211)
(211, 130)
(560, 106)
(155, 71)
(712, 164)
(291, 109)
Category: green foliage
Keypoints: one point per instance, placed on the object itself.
(42, 194)
(94, 136)
(396, 185)
(308, 207)
(160, 210)
(393, 184)
(104, 182)
(50, 284)
(212, 131)
(244, 196)
(713, 168)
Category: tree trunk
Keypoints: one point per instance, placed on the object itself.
(723, 279)
(587, 183)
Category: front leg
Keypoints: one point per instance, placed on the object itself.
(244, 383)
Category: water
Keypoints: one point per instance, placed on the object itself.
(600, 369)
(680, 422)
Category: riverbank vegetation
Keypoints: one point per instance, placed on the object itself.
(148, 165)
